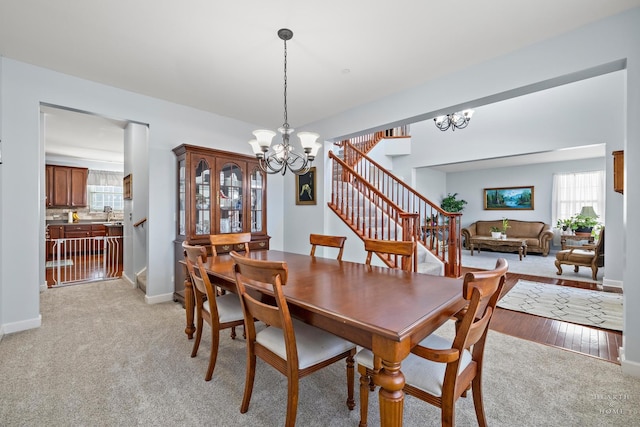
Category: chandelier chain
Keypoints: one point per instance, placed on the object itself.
(286, 119)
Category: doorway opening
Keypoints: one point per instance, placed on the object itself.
(83, 201)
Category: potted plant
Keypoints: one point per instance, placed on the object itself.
(452, 204)
(495, 232)
(564, 224)
(583, 225)
(505, 225)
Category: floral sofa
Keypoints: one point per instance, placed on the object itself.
(537, 234)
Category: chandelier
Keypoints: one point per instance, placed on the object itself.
(454, 121)
(282, 156)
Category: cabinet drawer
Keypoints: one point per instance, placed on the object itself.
(74, 228)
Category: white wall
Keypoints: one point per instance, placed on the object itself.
(608, 44)
(24, 87)
(470, 187)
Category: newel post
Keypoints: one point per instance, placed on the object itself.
(410, 232)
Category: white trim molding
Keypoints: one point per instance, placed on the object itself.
(628, 367)
(9, 328)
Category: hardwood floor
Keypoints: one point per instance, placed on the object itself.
(83, 269)
(595, 342)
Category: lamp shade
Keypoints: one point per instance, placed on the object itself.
(307, 140)
(588, 212)
(264, 137)
(255, 146)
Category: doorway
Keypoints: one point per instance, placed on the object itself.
(83, 203)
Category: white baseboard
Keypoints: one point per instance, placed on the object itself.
(628, 367)
(609, 283)
(157, 299)
(23, 325)
(128, 279)
(43, 287)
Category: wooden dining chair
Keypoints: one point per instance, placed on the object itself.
(327, 241)
(230, 242)
(440, 370)
(392, 249)
(294, 348)
(219, 311)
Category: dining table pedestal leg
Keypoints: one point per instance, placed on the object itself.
(388, 356)
(391, 381)
(189, 307)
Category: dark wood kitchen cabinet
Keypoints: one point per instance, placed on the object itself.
(66, 186)
(53, 232)
(114, 233)
(219, 192)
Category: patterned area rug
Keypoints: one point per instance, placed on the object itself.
(585, 307)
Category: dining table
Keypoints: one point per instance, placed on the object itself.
(383, 309)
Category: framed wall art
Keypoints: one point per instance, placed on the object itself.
(126, 188)
(508, 198)
(306, 188)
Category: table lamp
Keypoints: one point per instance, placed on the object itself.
(588, 211)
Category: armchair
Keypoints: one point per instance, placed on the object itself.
(586, 256)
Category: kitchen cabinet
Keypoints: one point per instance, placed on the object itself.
(53, 232)
(66, 186)
(72, 233)
(114, 232)
(98, 230)
(618, 171)
(218, 192)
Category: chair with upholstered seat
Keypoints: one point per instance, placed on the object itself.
(393, 249)
(591, 256)
(327, 241)
(439, 370)
(220, 312)
(294, 348)
(230, 242)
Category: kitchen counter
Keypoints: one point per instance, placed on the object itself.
(84, 222)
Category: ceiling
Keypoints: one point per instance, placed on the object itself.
(225, 57)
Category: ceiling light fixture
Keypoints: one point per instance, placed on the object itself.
(282, 156)
(454, 121)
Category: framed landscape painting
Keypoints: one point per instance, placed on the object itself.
(508, 198)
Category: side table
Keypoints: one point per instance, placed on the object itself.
(568, 240)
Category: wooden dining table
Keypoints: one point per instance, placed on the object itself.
(385, 310)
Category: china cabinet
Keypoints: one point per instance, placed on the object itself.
(218, 192)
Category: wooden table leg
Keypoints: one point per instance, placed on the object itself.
(189, 306)
(391, 381)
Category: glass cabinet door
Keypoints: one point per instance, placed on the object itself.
(231, 181)
(202, 197)
(182, 198)
(256, 187)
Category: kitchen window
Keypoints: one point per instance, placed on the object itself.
(105, 189)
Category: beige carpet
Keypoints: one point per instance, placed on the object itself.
(105, 358)
(575, 305)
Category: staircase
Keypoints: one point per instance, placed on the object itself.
(376, 204)
(141, 280)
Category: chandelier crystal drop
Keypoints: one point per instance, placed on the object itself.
(459, 120)
(280, 157)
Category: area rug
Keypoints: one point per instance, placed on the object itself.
(61, 263)
(581, 306)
